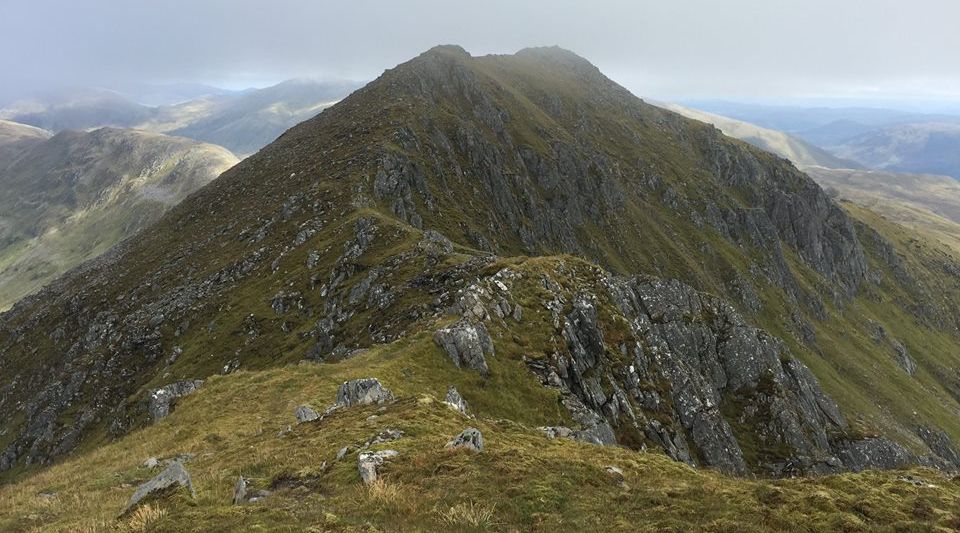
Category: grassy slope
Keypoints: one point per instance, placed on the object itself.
(928, 204)
(522, 481)
(797, 150)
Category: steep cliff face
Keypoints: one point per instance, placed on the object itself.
(728, 322)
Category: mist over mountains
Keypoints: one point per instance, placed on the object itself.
(241, 121)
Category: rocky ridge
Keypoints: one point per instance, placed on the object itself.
(396, 212)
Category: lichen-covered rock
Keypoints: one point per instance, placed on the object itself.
(364, 391)
(368, 464)
(469, 439)
(467, 344)
(455, 401)
(161, 400)
(304, 413)
(175, 475)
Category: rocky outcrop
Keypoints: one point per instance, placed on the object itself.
(455, 401)
(364, 391)
(304, 413)
(174, 476)
(467, 345)
(469, 439)
(240, 491)
(369, 463)
(162, 400)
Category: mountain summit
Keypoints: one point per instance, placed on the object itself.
(526, 227)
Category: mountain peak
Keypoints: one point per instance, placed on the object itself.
(447, 50)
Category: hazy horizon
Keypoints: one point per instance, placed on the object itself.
(814, 50)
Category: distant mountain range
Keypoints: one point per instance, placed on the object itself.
(72, 196)
(919, 147)
(879, 139)
(783, 144)
(242, 122)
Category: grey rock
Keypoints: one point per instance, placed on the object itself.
(873, 452)
(240, 491)
(259, 495)
(343, 452)
(455, 401)
(467, 344)
(903, 358)
(364, 391)
(940, 444)
(173, 476)
(162, 400)
(386, 435)
(435, 245)
(690, 353)
(369, 463)
(305, 414)
(469, 439)
(151, 462)
(557, 432)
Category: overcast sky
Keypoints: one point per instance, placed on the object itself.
(665, 49)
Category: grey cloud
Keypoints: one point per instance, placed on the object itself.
(664, 49)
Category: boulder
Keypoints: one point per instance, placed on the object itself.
(368, 464)
(469, 439)
(557, 432)
(305, 414)
(175, 475)
(161, 400)
(467, 344)
(615, 474)
(364, 391)
(455, 401)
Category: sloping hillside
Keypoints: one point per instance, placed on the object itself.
(800, 152)
(73, 196)
(923, 202)
(15, 138)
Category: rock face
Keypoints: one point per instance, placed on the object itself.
(467, 345)
(163, 399)
(468, 439)
(364, 391)
(693, 360)
(175, 475)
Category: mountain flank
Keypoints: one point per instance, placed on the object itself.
(527, 231)
(72, 196)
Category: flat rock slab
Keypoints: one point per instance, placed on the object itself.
(173, 476)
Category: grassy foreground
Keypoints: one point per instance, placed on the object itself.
(521, 481)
